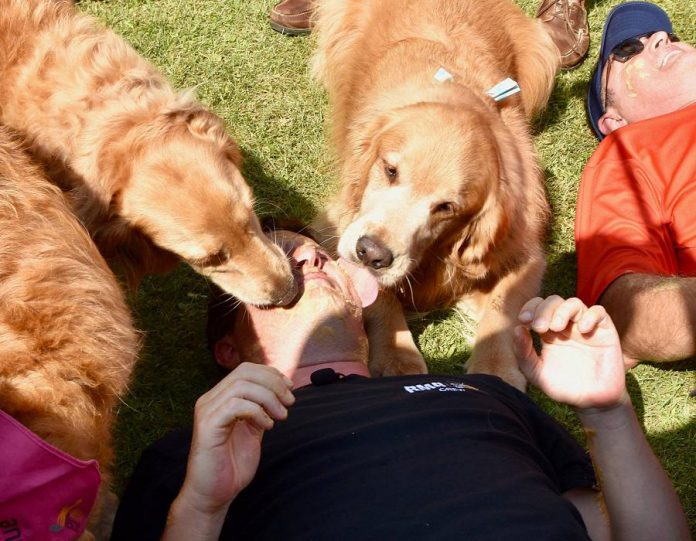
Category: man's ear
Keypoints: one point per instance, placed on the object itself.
(364, 282)
(611, 121)
(226, 353)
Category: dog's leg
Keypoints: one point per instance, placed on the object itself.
(101, 519)
(494, 351)
(392, 349)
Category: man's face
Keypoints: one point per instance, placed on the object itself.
(323, 324)
(658, 80)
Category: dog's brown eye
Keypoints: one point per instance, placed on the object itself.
(213, 260)
(391, 172)
(444, 208)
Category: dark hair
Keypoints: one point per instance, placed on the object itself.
(610, 99)
(222, 311)
(222, 307)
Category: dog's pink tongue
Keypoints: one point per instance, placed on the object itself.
(364, 282)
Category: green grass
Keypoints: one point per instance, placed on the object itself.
(258, 81)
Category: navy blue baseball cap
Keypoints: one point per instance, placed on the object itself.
(625, 21)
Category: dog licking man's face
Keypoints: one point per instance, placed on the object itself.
(322, 325)
(191, 199)
(429, 176)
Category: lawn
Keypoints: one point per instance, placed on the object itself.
(258, 81)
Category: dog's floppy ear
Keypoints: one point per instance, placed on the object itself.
(204, 125)
(362, 149)
(471, 252)
(489, 227)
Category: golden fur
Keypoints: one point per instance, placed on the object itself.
(67, 342)
(151, 174)
(441, 177)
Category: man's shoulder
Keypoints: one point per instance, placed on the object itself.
(663, 134)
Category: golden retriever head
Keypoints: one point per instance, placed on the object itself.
(183, 189)
(429, 180)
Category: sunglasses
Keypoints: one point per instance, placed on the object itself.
(623, 52)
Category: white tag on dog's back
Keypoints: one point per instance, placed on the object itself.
(442, 75)
(504, 89)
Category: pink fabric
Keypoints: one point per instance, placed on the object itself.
(44, 493)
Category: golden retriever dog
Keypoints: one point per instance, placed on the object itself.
(152, 174)
(68, 345)
(440, 194)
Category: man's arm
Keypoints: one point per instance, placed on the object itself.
(229, 422)
(581, 364)
(639, 496)
(654, 315)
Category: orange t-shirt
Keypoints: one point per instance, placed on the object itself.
(636, 208)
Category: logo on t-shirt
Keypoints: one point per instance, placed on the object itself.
(70, 517)
(440, 387)
(10, 530)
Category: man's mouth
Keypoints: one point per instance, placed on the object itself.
(668, 57)
(318, 277)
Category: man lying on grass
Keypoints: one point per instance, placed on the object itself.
(635, 228)
(298, 442)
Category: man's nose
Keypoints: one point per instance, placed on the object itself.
(307, 255)
(658, 39)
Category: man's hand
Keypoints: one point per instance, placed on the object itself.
(229, 422)
(581, 362)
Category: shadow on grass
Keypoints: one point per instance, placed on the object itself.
(450, 360)
(559, 103)
(273, 196)
(676, 450)
(174, 368)
(560, 277)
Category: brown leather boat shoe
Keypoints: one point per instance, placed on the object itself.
(566, 23)
(292, 17)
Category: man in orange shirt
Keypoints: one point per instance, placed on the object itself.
(635, 228)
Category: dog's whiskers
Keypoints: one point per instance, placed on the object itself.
(260, 207)
(408, 278)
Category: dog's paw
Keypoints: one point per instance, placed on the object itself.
(501, 365)
(401, 364)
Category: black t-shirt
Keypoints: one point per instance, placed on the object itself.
(412, 457)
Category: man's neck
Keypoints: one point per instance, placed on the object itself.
(302, 374)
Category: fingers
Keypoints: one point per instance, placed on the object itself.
(542, 313)
(265, 376)
(592, 318)
(524, 348)
(555, 314)
(245, 391)
(528, 360)
(527, 312)
(217, 422)
(253, 392)
(565, 311)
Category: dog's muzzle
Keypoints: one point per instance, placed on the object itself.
(372, 253)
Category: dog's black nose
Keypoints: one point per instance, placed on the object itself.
(373, 253)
